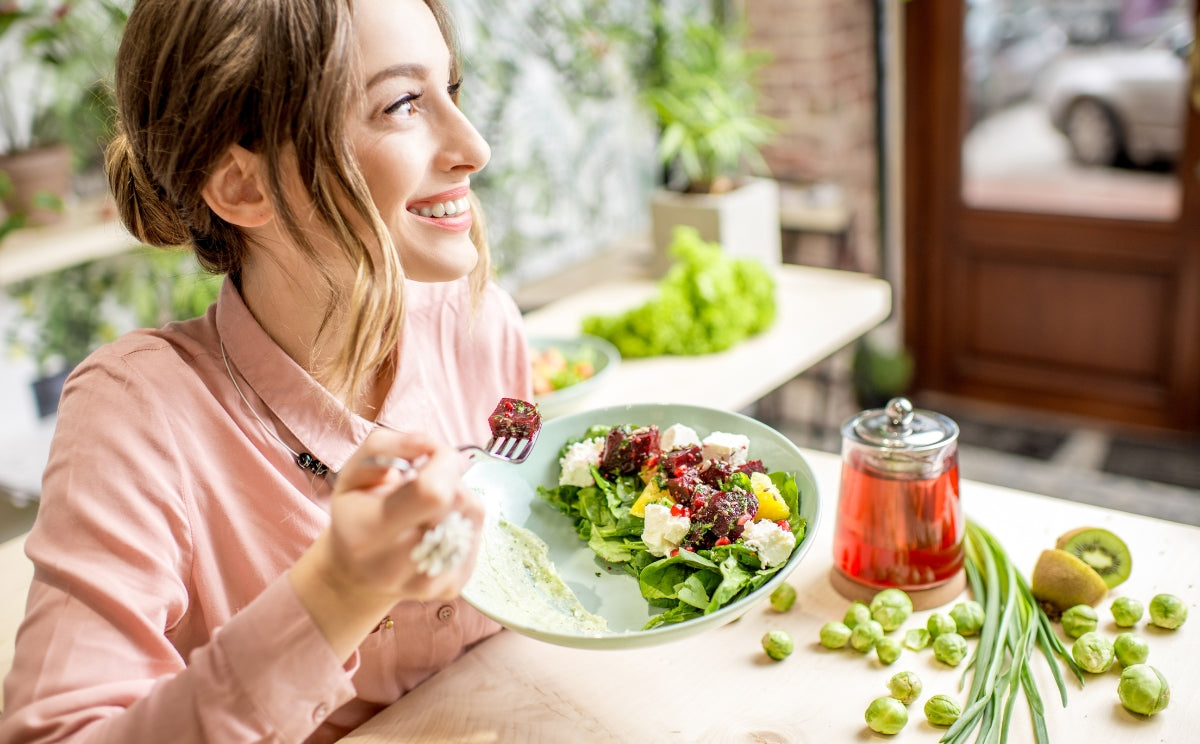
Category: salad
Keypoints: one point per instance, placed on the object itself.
(554, 369)
(695, 521)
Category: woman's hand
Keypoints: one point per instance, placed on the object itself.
(362, 564)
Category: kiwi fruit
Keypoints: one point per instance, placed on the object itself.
(1061, 581)
(1106, 553)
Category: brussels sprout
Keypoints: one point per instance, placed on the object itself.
(1093, 652)
(939, 623)
(916, 638)
(857, 613)
(888, 649)
(890, 608)
(1079, 619)
(1167, 611)
(905, 687)
(942, 710)
(968, 617)
(886, 715)
(783, 597)
(949, 648)
(1126, 611)
(1143, 689)
(1131, 649)
(834, 634)
(778, 644)
(865, 635)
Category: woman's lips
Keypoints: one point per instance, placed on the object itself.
(450, 210)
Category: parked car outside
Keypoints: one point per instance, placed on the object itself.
(1119, 104)
(1007, 50)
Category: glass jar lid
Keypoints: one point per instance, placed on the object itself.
(901, 428)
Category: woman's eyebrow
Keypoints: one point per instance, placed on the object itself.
(404, 69)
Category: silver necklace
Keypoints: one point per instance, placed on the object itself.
(303, 459)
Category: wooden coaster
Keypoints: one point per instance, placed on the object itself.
(922, 599)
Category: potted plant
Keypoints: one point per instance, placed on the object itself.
(880, 371)
(54, 103)
(61, 318)
(64, 316)
(703, 91)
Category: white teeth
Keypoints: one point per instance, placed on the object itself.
(443, 209)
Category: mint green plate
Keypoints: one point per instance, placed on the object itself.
(604, 358)
(510, 492)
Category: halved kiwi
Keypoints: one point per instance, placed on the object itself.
(1061, 581)
(1100, 549)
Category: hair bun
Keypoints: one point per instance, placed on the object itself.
(144, 210)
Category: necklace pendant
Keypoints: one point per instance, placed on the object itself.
(308, 462)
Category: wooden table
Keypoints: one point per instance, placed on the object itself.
(719, 686)
(819, 312)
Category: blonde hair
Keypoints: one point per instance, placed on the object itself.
(194, 77)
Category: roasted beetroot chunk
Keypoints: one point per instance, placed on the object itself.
(626, 450)
(753, 466)
(515, 418)
(723, 514)
(675, 462)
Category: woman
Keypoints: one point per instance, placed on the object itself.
(201, 574)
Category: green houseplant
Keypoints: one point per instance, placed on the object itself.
(61, 318)
(55, 58)
(704, 95)
(702, 88)
(65, 315)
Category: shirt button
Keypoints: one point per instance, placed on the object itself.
(445, 612)
(320, 713)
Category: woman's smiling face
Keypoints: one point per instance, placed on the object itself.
(413, 144)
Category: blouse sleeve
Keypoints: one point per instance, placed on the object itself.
(97, 658)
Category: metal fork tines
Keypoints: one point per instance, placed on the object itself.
(509, 449)
(506, 449)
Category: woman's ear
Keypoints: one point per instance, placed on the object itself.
(236, 191)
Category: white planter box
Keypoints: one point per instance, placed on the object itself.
(744, 221)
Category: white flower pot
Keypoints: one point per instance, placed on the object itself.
(744, 221)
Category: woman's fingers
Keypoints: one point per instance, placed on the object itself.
(364, 471)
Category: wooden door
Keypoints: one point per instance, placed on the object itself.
(1071, 287)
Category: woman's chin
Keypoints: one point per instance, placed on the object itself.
(444, 266)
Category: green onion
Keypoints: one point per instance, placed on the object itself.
(1015, 625)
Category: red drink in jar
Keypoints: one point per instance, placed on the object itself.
(899, 520)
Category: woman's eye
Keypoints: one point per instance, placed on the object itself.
(405, 106)
(453, 89)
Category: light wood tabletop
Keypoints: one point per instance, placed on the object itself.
(719, 686)
(818, 312)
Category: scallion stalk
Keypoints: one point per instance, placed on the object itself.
(1014, 626)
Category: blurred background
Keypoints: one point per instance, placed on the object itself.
(1022, 172)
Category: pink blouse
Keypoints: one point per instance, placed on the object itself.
(159, 610)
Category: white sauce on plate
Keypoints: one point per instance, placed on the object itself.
(514, 578)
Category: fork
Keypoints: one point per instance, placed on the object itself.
(506, 449)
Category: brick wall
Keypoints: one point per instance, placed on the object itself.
(822, 84)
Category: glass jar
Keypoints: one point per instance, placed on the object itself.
(899, 519)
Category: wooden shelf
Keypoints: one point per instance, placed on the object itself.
(87, 232)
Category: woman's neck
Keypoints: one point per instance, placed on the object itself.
(292, 311)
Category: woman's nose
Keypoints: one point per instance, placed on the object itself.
(464, 148)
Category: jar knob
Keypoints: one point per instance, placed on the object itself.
(899, 412)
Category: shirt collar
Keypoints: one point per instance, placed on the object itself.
(306, 415)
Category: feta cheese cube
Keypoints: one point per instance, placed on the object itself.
(678, 436)
(664, 533)
(576, 463)
(730, 448)
(772, 543)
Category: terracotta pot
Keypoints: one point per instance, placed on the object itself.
(43, 169)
